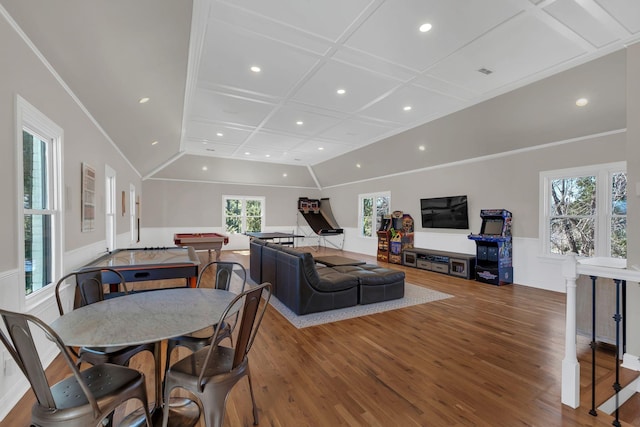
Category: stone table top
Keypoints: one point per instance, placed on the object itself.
(143, 317)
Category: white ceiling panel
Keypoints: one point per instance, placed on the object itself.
(356, 132)
(298, 121)
(581, 21)
(422, 103)
(392, 31)
(214, 132)
(361, 87)
(281, 67)
(627, 12)
(211, 149)
(209, 105)
(272, 142)
(514, 51)
(326, 18)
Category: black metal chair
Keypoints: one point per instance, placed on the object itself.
(86, 398)
(210, 373)
(90, 289)
(224, 271)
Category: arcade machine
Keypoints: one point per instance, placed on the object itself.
(401, 236)
(384, 238)
(493, 245)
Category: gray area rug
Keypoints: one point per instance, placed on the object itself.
(413, 295)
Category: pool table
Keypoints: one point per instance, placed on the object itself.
(201, 241)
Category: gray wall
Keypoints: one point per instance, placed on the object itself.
(25, 75)
(199, 204)
(509, 181)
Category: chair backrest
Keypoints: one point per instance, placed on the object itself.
(89, 286)
(250, 321)
(23, 350)
(223, 274)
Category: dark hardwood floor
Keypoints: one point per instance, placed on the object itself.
(489, 356)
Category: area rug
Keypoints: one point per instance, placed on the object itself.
(413, 295)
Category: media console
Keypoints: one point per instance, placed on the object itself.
(452, 263)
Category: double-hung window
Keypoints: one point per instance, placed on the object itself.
(242, 214)
(372, 207)
(584, 211)
(40, 148)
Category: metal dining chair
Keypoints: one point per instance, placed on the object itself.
(90, 289)
(210, 373)
(223, 275)
(86, 398)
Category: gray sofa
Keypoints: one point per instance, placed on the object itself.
(305, 287)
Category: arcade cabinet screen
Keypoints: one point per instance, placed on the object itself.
(492, 226)
(445, 212)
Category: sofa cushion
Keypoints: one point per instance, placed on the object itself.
(331, 280)
(371, 275)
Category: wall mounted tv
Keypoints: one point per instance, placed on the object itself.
(445, 212)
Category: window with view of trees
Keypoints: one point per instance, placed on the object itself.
(371, 209)
(585, 211)
(40, 147)
(243, 214)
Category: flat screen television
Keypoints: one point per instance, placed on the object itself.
(445, 212)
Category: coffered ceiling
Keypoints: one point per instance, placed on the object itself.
(194, 60)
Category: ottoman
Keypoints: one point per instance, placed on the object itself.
(376, 284)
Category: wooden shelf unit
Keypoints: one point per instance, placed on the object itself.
(452, 263)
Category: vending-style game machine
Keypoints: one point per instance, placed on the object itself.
(493, 247)
(384, 239)
(401, 235)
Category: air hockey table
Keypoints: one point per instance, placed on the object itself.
(142, 264)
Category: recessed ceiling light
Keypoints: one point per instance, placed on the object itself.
(204, 168)
(299, 122)
(154, 143)
(425, 27)
(205, 142)
(582, 102)
(407, 108)
(219, 134)
(284, 175)
(255, 69)
(422, 148)
(246, 153)
(358, 165)
(267, 155)
(320, 148)
(341, 91)
(143, 100)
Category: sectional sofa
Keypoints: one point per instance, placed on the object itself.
(306, 287)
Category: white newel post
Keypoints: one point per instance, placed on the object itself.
(570, 365)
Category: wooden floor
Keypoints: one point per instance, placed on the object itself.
(489, 356)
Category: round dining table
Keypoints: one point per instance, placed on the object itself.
(146, 317)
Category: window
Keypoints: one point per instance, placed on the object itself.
(132, 213)
(40, 147)
(584, 211)
(371, 209)
(243, 214)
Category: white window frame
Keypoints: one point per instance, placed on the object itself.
(132, 212)
(376, 224)
(603, 214)
(32, 120)
(244, 199)
(111, 236)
